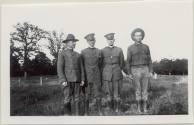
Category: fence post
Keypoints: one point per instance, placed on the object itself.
(41, 81)
(155, 76)
(19, 80)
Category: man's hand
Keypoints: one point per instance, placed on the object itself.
(130, 76)
(150, 74)
(64, 84)
(82, 83)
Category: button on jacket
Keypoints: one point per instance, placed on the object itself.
(70, 67)
(113, 63)
(137, 55)
(92, 61)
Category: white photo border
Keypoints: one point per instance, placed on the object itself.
(151, 119)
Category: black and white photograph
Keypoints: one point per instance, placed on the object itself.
(128, 60)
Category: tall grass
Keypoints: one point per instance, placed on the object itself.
(164, 99)
(36, 100)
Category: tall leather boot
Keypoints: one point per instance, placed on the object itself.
(98, 102)
(72, 108)
(145, 106)
(66, 109)
(117, 105)
(86, 108)
(111, 103)
(138, 106)
(76, 108)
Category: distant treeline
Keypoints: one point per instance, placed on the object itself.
(171, 67)
(42, 65)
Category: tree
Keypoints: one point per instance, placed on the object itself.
(55, 43)
(169, 66)
(181, 66)
(40, 65)
(14, 51)
(14, 66)
(14, 58)
(27, 36)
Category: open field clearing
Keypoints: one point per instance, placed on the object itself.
(168, 95)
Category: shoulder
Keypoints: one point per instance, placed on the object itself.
(131, 46)
(145, 45)
(84, 50)
(98, 50)
(118, 49)
(62, 52)
(76, 53)
(104, 49)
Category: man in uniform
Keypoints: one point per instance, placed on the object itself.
(113, 64)
(71, 75)
(139, 65)
(92, 63)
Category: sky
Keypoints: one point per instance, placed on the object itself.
(168, 25)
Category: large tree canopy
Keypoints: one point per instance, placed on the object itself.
(25, 39)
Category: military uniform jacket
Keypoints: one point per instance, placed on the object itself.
(70, 67)
(113, 63)
(92, 64)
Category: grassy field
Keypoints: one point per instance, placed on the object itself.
(168, 95)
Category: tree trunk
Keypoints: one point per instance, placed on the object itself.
(25, 74)
(25, 62)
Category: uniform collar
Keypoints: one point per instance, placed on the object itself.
(69, 49)
(91, 47)
(138, 43)
(111, 46)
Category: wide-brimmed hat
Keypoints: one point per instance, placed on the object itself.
(70, 37)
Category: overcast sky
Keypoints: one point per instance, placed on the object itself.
(168, 25)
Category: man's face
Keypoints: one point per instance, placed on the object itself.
(71, 44)
(91, 42)
(138, 36)
(110, 42)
